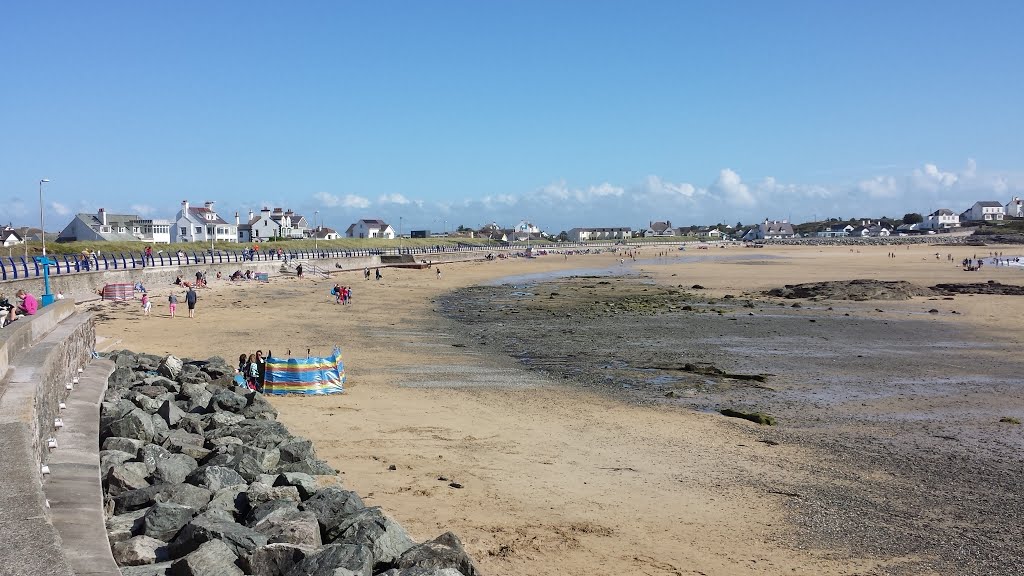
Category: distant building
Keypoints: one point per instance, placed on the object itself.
(770, 230)
(10, 237)
(1014, 208)
(984, 211)
(524, 231)
(941, 219)
(194, 224)
(370, 229)
(835, 231)
(276, 223)
(587, 234)
(709, 233)
(324, 233)
(106, 227)
(660, 229)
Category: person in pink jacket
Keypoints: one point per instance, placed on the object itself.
(29, 305)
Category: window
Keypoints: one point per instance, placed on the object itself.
(199, 229)
(183, 232)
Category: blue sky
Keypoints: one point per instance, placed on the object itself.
(568, 114)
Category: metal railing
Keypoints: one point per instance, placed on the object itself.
(19, 267)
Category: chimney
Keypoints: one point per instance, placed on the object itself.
(184, 207)
(236, 218)
(103, 216)
(209, 206)
(265, 211)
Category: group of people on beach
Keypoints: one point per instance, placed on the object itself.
(253, 368)
(342, 294)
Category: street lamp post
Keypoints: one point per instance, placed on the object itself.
(42, 221)
(316, 232)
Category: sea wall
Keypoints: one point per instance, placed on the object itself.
(42, 354)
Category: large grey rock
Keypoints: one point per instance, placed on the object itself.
(121, 377)
(240, 539)
(174, 469)
(170, 367)
(275, 559)
(150, 454)
(265, 509)
(222, 419)
(111, 458)
(214, 477)
(129, 445)
(311, 467)
(443, 552)
(124, 526)
(226, 400)
(139, 550)
(258, 407)
(136, 424)
(164, 520)
(331, 505)
(121, 479)
(304, 483)
(170, 412)
(165, 383)
(195, 497)
(191, 422)
(256, 433)
(296, 451)
(290, 526)
(257, 493)
(149, 405)
(230, 499)
(141, 498)
(110, 412)
(212, 558)
(160, 429)
(151, 391)
(336, 560)
(158, 569)
(385, 537)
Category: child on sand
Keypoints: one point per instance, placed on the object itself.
(147, 305)
(172, 303)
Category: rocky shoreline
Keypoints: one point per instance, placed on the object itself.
(200, 479)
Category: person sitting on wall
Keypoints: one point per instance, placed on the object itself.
(29, 305)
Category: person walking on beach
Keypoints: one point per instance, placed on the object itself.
(298, 271)
(190, 299)
(438, 273)
(172, 303)
(147, 305)
(378, 276)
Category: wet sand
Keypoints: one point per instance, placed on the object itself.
(570, 476)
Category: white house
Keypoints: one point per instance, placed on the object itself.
(201, 225)
(769, 230)
(1014, 208)
(835, 231)
(10, 237)
(984, 210)
(709, 234)
(585, 234)
(525, 230)
(941, 219)
(370, 229)
(324, 233)
(104, 226)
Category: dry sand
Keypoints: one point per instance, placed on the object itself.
(555, 480)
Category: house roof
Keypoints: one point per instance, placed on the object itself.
(989, 204)
(200, 213)
(942, 212)
(8, 232)
(324, 231)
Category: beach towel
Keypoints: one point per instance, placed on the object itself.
(311, 375)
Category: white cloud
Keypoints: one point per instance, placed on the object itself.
(731, 188)
(392, 199)
(930, 178)
(329, 200)
(879, 187)
(59, 209)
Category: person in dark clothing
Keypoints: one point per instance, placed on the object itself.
(298, 270)
(190, 298)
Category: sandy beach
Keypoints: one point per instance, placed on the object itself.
(561, 478)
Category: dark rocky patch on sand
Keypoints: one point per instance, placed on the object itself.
(858, 290)
(990, 287)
